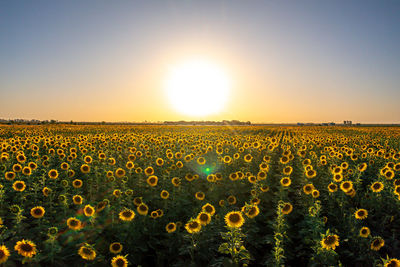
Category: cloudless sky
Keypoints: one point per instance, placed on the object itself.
(289, 61)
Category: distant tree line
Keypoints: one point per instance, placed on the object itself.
(45, 122)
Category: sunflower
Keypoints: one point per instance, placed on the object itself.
(377, 187)
(286, 181)
(25, 248)
(255, 201)
(142, 209)
(346, 186)
(119, 261)
(200, 195)
(397, 190)
(119, 173)
(129, 165)
(88, 159)
(171, 227)
(154, 214)
(252, 179)
(193, 226)
(311, 173)
(330, 242)
(127, 215)
(176, 181)
(261, 175)
(264, 188)
(337, 170)
(87, 253)
(9, 176)
(115, 247)
(361, 214)
(263, 166)
(389, 174)
(160, 212)
(392, 263)
(74, 223)
(19, 186)
(284, 159)
(231, 200)
(137, 201)
(85, 168)
(204, 218)
(308, 188)
(377, 243)
(332, 187)
(53, 174)
(21, 158)
(227, 159)
(362, 167)
(152, 180)
(64, 166)
(88, 210)
(365, 232)
(233, 176)
(189, 177)
(315, 193)
(117, 193)
(17, 167)
(234, 219)
(46, 191)
(338, 177)
(164, 194)
(101, 205)
(253, 211)
(287, 208)
(26, 171)
(77, 199)
(287, 170)
(77, 183)
(208, 208)
(71, 173)
(159, 162)
(37, 212)
(248, 158)
(4, 254)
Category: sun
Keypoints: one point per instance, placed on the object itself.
(197, 87)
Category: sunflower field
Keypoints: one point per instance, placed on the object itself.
(199, 196)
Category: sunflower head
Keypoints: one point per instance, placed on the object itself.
(361, 214)
(330, 242)
(143, 209)
(170, 227)
(25, 248)
(87, 252)
(115, 247)
(88, 210)
(119, 261)
(286, 208)
(74, 223)
(193, 226)
(4, 254)
(152, 180)
(365, 232)
(37, 212)
(377, 243)
(234, 219)
(127, 215)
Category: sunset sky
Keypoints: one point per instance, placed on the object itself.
(286, 61)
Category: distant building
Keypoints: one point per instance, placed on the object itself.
(347, 122)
